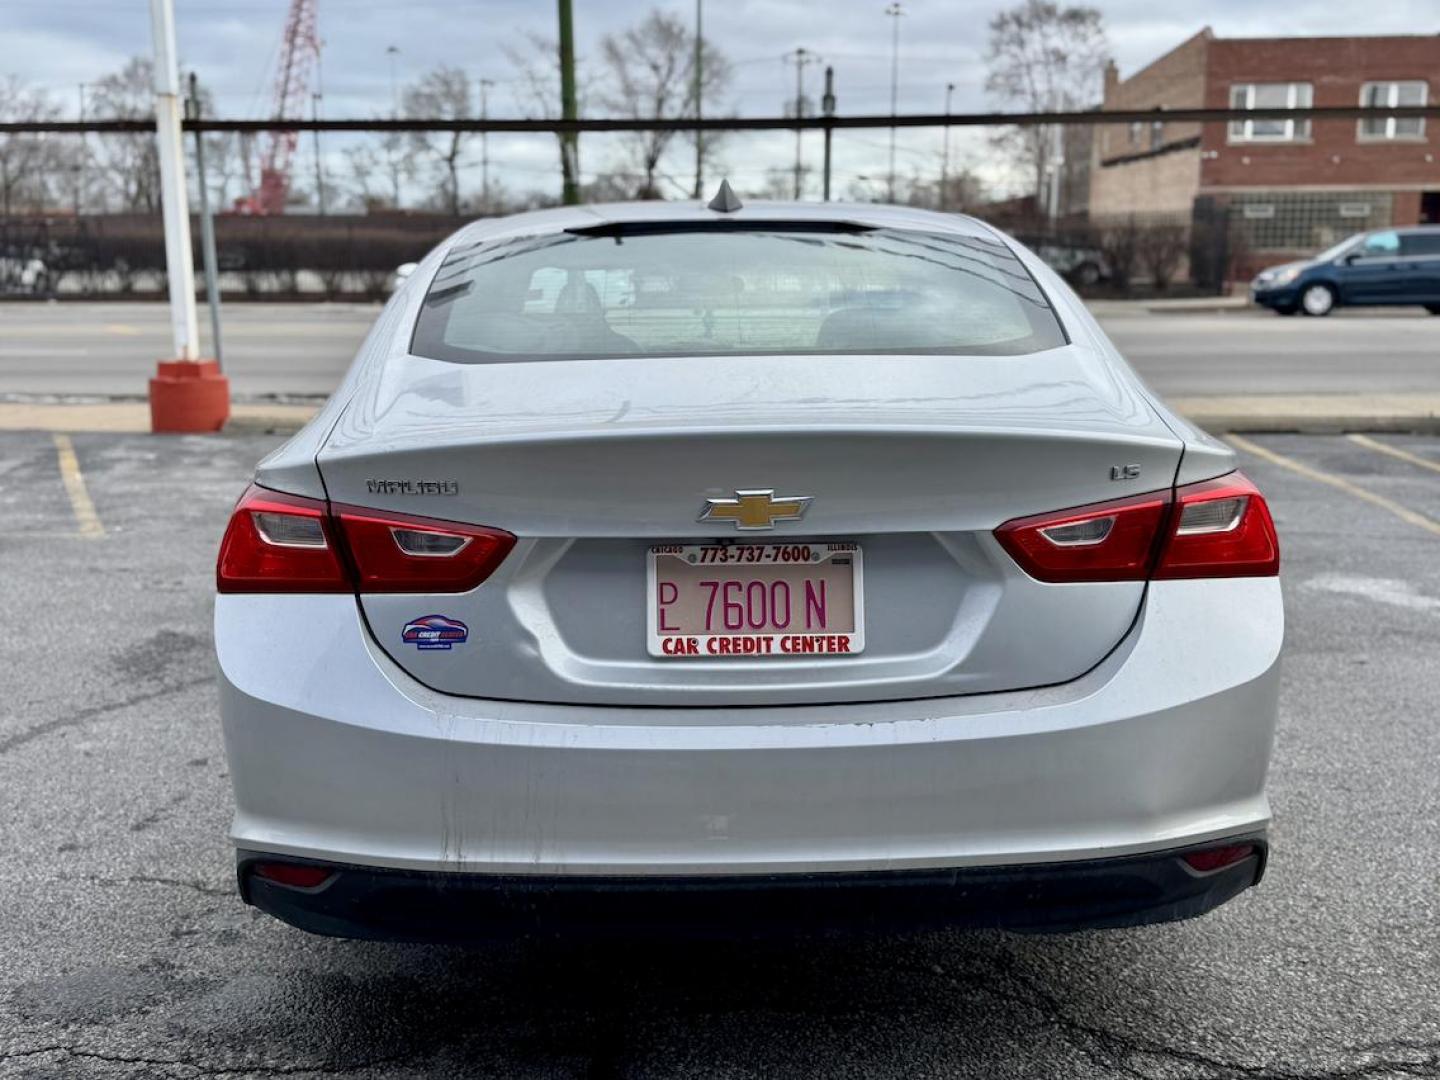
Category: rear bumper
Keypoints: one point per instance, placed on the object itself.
(409, 905)
(337, 755)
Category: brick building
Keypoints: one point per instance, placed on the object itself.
(1278, 188)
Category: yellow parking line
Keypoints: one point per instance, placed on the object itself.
(1404, 513)
(1394, 451)
(85, 516)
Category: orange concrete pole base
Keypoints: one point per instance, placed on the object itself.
(188, 396)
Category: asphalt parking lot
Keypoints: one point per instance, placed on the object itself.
(126, 952)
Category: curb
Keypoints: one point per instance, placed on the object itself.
(1417, 414)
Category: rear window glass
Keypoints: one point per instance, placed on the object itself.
(711, 291)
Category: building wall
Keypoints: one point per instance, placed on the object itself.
(1142, 169)
(1334, 157)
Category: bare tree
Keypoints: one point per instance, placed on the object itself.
(444, 94)
(1043, 57)
(380, 167)
(127, 164)
(29, 164)
(650, 75)
(1161, 248)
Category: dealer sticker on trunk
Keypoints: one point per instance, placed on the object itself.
(740, 601)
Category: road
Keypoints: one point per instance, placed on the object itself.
(302, 349)
(126, 953)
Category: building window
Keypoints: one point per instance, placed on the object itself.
(1270, 96)
(1157, 134)
(1381, 94)
(1135, 129)
(1297, 222)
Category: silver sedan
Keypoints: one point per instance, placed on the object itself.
(727, 566)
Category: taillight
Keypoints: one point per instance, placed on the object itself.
(1222, 528)
(402, 553)
(280, 543)
(1216, 528)
(1109, 541)
(285, 543)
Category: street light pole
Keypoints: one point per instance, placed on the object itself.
(800, 57)
(187, 393)
(392, 51)
(569, 110)
(699, 99)
(945, 156)
(827, 106)
(178, 267)
(485, 85)
(894, 10)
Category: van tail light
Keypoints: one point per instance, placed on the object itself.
(1216, 528)
(278, 543)
(396, 553)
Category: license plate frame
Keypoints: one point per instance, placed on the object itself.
(801, 644)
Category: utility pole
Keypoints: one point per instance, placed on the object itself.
(699, 104)
(800, 58)
(827, 106)
(319, 164)
(84, 157)
(945, 156)
(315, 100)
(485, 85)
(207, 226)
(569, 140)
(894, 10)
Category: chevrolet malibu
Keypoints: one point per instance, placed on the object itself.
(726, 566)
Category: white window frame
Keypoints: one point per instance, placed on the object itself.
(1295, 130)
(1392, 99)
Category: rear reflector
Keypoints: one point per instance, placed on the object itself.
(279, 543)
(1216, 528)
(1217, 858)
(296, 875)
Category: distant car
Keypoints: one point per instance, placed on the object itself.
(19, 274)
(823, 561)
(1077, 264)
(1388, 266)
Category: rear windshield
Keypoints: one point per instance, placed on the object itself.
(712, 291)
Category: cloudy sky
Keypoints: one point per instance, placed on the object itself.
(59, 44)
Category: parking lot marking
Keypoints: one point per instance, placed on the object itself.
(1404, 513)
(85, 516)
(1394, 451)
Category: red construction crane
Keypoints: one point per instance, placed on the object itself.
(299, 54)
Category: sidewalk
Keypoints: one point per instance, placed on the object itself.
(1319, 414)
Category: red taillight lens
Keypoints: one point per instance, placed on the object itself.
(296, 875)
(1217, 858)
(288, 544)
(396, 553)
(279, 543)
(1109, 541)
(1216, 528)
(1222, 528)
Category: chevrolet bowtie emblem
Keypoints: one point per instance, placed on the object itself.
(756, 509)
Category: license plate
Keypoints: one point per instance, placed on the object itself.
(745, 601)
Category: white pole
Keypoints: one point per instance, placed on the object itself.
(173, 196)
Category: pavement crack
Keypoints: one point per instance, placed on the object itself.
(197, 1068)
(49, 727)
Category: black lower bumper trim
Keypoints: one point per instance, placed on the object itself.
(410, 905)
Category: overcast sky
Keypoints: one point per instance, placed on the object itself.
(59, 44)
